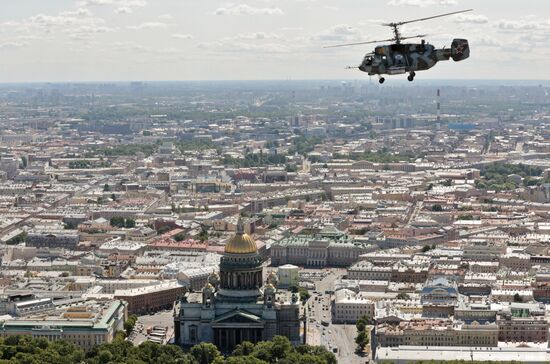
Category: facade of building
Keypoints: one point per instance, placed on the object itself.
(236, 305)
(85, 326)
(522, 329)
(348, 307)
(437, 333)
(57, 239)
(329, 248)
(516, 262)
(151, 298)
(439, 291)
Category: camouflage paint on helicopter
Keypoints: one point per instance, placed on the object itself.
(398, 58)
(405, 58)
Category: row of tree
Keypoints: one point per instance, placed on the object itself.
(362, 338)
(26, 350)
(124, 150)
(130, 323)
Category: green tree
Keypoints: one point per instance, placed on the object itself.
(280, 347)
(130, 323)
(262, 351)
(304, 294)
(403, 296)
(362, 339)
(243, 349)
(247, 359)
(17, 239)
(205, 353)
(117, 221)
(203, 235)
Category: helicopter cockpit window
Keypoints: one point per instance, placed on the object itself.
(377, 59)
(368, 60)
(399, 60)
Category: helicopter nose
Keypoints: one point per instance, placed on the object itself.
(362, 68)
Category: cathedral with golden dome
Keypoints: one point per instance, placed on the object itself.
(237, 304)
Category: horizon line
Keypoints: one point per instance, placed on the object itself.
(277, 80)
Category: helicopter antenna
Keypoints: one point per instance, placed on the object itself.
(396, 25)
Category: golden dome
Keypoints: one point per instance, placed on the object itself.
(241, 244)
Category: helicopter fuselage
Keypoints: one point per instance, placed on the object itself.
(400, 58)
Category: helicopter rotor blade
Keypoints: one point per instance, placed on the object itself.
(359, 43)
(415, 36)
(428, 18)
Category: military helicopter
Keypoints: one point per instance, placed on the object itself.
(399, 58)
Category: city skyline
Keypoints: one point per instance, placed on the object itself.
(124, 40)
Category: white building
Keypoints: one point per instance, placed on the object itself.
(348, 306)
(288, 275)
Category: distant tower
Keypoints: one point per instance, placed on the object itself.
(438, 106)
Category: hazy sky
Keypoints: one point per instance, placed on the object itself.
(109, 40)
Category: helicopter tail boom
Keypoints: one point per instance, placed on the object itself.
(460, 50)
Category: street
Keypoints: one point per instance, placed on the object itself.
(340, 339)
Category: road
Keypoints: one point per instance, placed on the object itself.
(334, 337)
(415, 210)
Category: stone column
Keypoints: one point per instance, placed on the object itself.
(231, 338)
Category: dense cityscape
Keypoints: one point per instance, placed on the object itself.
(281, 221)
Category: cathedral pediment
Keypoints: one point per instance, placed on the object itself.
(238, 317)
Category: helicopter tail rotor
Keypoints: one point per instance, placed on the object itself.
(460, 49)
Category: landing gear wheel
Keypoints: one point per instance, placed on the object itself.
(381, 80)
(410, 78)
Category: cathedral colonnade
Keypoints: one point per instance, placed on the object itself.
(228, 338)
(241, 280)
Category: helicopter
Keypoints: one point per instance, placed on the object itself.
(400, 58)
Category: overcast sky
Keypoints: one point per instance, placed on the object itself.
(119, 40)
